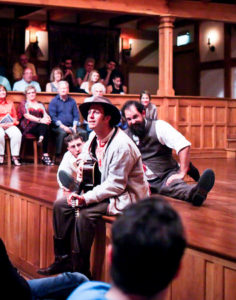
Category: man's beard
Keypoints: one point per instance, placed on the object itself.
(138, 129)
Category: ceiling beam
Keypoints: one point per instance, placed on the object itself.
(122, 20)
(176, 8)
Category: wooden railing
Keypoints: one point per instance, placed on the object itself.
(207, 122)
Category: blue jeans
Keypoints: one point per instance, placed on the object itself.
(58, 287)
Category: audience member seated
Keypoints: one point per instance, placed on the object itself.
(98, 89)
(108, 72)
(5, 82)
(116, 87)
(27, 80)
(65, 116)
(14, 286)
(82, 74)
(55, 76)
(19, 67)
(94, 77)
(150, 109)
(147, 246)
(35, 120)
(68, 75)
(8, 127)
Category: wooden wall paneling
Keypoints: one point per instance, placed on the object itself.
(190, 283)
(214, 281)
(33, 233)
(23, 228)
(46, 234)
(2, 213)
(229, 284)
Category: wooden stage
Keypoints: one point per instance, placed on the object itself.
(209, 267)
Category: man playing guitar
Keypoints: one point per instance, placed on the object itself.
(122, 182)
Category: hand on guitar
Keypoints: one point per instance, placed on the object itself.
(80, 164)
(74, 196)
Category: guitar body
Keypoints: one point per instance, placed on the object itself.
(91, 175)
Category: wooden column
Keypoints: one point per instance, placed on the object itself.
(166, 56)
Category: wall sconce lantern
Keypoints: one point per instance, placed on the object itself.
(126, 46)
(211, 47)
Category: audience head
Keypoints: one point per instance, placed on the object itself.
(67, 62)
(148, 243)
(3, 92)
(111, 64)
(23, 60)
(30, 92)
(56, 74)
(98, 89)
(94, 76)
(89, 64)
(63, 88)
(28, 75)
(74, 143)
(145, 98)
(117, 80)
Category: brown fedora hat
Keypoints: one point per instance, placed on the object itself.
(111, 109)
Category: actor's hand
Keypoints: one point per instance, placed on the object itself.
(74, 196)
(173, 177)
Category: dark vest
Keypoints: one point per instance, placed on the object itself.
(157, 157)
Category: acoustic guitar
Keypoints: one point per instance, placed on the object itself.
(91, 177)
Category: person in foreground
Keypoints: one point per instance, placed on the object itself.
(148, 242)
(122, 182)
(155, 140)
(14, 286)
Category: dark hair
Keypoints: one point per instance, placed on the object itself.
(148, 243)
(73, 136)
(112, 60)
(145, 92)
(138, 105)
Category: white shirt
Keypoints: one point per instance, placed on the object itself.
(68, 164)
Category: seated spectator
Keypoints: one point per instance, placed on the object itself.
(65, 116)
(82, 74)
(116, 87)
(19, 67)
(150, 109)
(27, 80)
(9, 128)
(147, 246)
(5, 82)
(94, 77)
(14, 286)
(68, 75)
(108, 72)
(55, 76)
(98, 89)
(35, 120)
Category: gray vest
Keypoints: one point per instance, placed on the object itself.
(156, 156)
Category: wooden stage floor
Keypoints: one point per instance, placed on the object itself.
(211, 228)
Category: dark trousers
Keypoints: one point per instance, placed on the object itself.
(178, 189)
(76, 234)
(41, 130)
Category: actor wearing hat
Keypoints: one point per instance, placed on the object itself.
(122, 182)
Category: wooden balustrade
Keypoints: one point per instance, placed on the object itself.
(207, 122)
